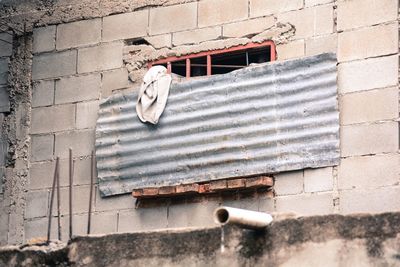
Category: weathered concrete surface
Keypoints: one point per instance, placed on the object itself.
(333, 240)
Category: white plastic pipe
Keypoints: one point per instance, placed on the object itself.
(244, 218)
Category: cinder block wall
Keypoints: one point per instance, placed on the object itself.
(77, 64)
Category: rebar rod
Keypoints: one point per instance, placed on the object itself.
(70, 192)
(51, 201)
(92, 172)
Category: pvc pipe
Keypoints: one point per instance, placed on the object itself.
(244, 218)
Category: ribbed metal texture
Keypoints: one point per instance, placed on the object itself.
(263, 119)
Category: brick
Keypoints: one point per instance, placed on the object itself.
(78, 33)
(248, 27)
(104, 223)
(112, 80)
(213, 12)
(191, 215)
(44, 39)
(309, 3)
(368, 74)
(143, 219)
(260, 8)
(136, 193)
(150, 191)
(160, 41)
(86, 114)
(204, 188)
(369, 139)
(81, 142)
(103, 57)
(310, 22)
(43, 93)
(315, 204)
(358, 13)
(42, 147)
(385, 199)
(173, 18)
(196, 36)
(236, 183)
(4, 99)
(317, 180)
(166, 190)
(218, 185)
(321, 45)
(4, 70)
(369, 106)
(368, 42)
(259, 181)
(6, 48)
(54, 65)
(288, 183)
(77, 88)
(187, 188)
(53, 119)
(37, 204)
(290, 50)
(110, 203)
(124, 26)
(368, 171)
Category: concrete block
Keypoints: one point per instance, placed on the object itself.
(173, 18)
(369, 106)
(41, 175)
(4, 99)
(79, 33)
(37, 228)
(368, 42)
(124, 26)
(4, 70)
(260, 8)
(248, 27)
(6, 48)
(319, 45)
(112, 80)
(368, 74)
(103, 57)
(369, 139)
(314, 204)
(53, 119)
(104, 223)
(79, 225)
(78, 88)
(384, 199)
(358, 13)
(290, 50)
(81, 172)
(3, 227)
(86, 114)
(289, 183)
(311, 21)
(160, 41)
(81, 142)
(44, 39)
(143, 219)
(43, 93)
(213, 12)
(37, 204)
(196, 36)
(368, 172)
(54, 65)
(80, 200)
(309, 3)
(191, 215)
(121, 201)
(318, 180)
(266, 204)
(42, 147)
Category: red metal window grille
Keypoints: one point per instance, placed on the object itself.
(219, 61)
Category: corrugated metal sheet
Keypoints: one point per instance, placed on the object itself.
(263, 119)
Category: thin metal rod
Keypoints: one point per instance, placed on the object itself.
(51, 202)
(6, 41)
(70, 192)
(92, 171)
(58, 200)
(247, 58)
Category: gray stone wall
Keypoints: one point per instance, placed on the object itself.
(76, 64)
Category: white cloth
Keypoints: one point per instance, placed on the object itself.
(153, 94)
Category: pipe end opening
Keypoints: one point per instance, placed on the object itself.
(222, 216)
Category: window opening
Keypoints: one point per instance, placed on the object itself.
(219, 61)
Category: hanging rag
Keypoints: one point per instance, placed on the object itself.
(153, 94)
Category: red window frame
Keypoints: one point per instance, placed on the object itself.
(209, 55)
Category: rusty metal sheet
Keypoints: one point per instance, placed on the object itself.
(262, 119)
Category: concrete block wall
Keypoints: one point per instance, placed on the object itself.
(77, 64)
